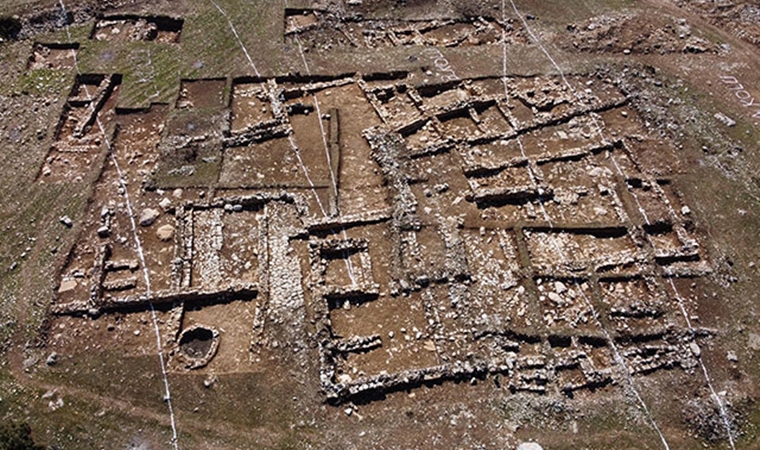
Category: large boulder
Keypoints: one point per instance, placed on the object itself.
(148, 216)
(165, 233)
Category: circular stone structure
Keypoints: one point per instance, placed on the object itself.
(197, 345)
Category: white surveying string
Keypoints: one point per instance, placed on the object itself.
(141, 256)
(716, 398)
(613, 347)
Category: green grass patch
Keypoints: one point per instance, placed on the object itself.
(44, 82)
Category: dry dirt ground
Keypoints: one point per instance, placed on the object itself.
(381, 224)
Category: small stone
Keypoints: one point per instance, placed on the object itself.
(529, 446)
(348, 411)
(237, 207)
(66, 220)
(685, 210)
(559, 287)
(695, 349)
(137, 332)
(148, 216)
(52, 359)
(209, 381)
(555, 298)
(104, 232)
(165, 204)
(754, 341)
(165, 233)
(627, 51)
(30, 362)
(732, 357)
(67, 286)
(177, 193)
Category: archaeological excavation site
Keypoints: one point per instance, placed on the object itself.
(380, 224)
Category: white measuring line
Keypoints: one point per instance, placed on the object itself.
(716, 398)
(146, 275)
(575, 94)
(713, 394)
(294, 147)
(152, 77)
(613, 347)
(275, 103)
(349, 264)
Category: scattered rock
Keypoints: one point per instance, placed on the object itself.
(148, 216)
(695, 349)
(53, 405)
(209, 381)
(66, 220)
(731, 356)
(555, 298)
(529, 446)
(52, 359)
